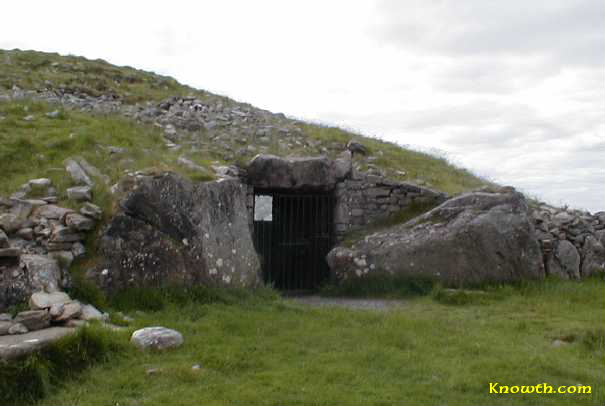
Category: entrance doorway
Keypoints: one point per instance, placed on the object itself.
(293, 233)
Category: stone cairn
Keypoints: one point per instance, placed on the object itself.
(49, 309)
(39, 240)
(572, 241)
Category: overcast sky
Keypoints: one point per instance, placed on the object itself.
(513, 90)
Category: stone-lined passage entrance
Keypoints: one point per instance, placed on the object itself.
(293, 233)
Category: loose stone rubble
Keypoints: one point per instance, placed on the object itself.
(52, 316)
(572, 241)
(39, 240)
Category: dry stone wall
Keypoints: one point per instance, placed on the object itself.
(39, 240)
(572, 241)
(365, 199)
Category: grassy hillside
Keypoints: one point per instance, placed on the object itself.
(41, 70)
(48, 141)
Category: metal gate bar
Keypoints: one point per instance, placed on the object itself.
(294, 244)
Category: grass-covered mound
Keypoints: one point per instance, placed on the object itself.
(41, 70)
(31, 70)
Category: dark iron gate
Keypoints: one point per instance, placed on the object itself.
(293, 237)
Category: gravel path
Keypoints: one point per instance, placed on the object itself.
(349, 303)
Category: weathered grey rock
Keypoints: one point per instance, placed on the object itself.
(26, 233)
(59, 246)
(92, 171)
(43, 300)
(40, 184)
(78, 222)
(77, 173)
(10, 252)
(51, 212)
(56, 310)
(173, 231)
(17, 328)
(43, 273)
(189, 164)
(89, 312)
(16, 346)
(33, 319)
(600, 237)
(563, 218)
(63, 258)
(269, 171)
(565, 261)
(357, 148)
(343, 165)
(71, 310)
(9, 222)
(22, 192)
(65, 234)
(5, 327)
(3, 239)
(5, 317)
(79, 193)
(593, 257)
(156, 338)
(225, 171)
(472, 239)
(92, 211)
(78, 249)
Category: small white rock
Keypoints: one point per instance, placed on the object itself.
(157, 338)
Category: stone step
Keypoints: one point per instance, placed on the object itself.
(15, 346)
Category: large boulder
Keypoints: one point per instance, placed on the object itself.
(173, 231)
(473, 239)
(321, 173)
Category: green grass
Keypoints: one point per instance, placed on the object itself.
(40, 70)
(267, 352)
(38, 148)
(26, 380)
(379, 286)
(435, 171)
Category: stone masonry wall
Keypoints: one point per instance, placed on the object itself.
(368, 198)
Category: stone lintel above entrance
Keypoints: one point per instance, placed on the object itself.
(298, 173)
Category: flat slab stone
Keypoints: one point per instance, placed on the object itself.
(14, 346)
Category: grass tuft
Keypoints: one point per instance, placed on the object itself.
(156, 299)
(379, 286)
